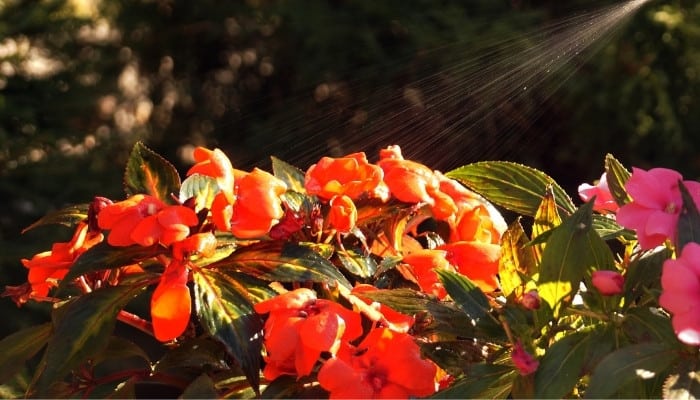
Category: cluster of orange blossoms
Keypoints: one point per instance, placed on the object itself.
(302, 330)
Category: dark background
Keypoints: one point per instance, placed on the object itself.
(81, 81)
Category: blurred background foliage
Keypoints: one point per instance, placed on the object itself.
(82, 80)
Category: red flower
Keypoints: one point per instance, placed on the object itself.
(343, 214)
(214, 163)
(121, 218)
(656, 205)
(477, 261)
(300, 327)
(258, 206)
(46, 268)
(680, 282)
(167, 226)
(407, 180)
(171, 303)
(419, 267)
(351, 175)
(385, 365)
(608, 283)
(604, 201)
(524, 361)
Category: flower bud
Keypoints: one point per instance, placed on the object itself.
(608, 283)
(531, 300)
(524, 361)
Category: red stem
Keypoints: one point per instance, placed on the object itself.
(135, 321)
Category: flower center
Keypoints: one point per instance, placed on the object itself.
(671, 208)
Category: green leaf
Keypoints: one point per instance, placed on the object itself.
(19, 347)
(517, 259)
(641, 324)
(434, 318)
(608, 229)
(69, 216)
(561, 366)
(200, 187)
(103, 256)
(82, 329)
(282, 261)
(470, 299)
(689, 219)
(633, 363)
(573, 249)
(201, 388)
(482, 381)
(513, 186)
(197, 354)
(149, 173)
(546, 218)
(643, 276)
(120, 348)
(227, 314)
(684, 383)
(616, 175)
(289, 174)
(357, 263)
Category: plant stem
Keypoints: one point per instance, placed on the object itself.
(135, 321)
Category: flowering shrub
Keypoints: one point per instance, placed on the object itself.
(361, 280)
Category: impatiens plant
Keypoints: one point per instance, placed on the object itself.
(355, 279)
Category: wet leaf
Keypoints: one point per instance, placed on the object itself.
(617, 175)
(69, 216)
(470, 299)
(149, 173)
(282, 261)
(226, 313)
(513, 186)
(357, 263)
(289, 174)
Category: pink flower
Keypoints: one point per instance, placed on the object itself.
(524, 361)
(604, 202)
(608, 283)
(680, 281)
(656, 205)
(531, 300)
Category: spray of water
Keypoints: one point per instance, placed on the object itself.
(476, 108)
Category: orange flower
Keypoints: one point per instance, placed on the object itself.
(258, 205)
(407, 180)
(167, 226)
(351, 175)
(386, 365)
(122, 218)
(300, 327)
(476, 225)
(477, 261)
(420, 267)
(343, 214)
(171, 303)
(214, 163)
(46, 268)
(382, 313)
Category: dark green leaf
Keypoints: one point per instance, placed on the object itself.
(289, 174)
(513, 186)
(120, 348)
(633, 363)
(357, 263)
(689, 219)
(103, 256)
(225, 311)
(197, 353)
(561, 366)
(200, 187)
(68, 216)
(617, 175)
(149, 173)
(282, 261)
(684, 383)
(19, 347)
(200, 388)
(644, 275)
(482, 381)
(290, 387)
(641, 324)
(573, 249)
(470, 299)
(82, 329)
